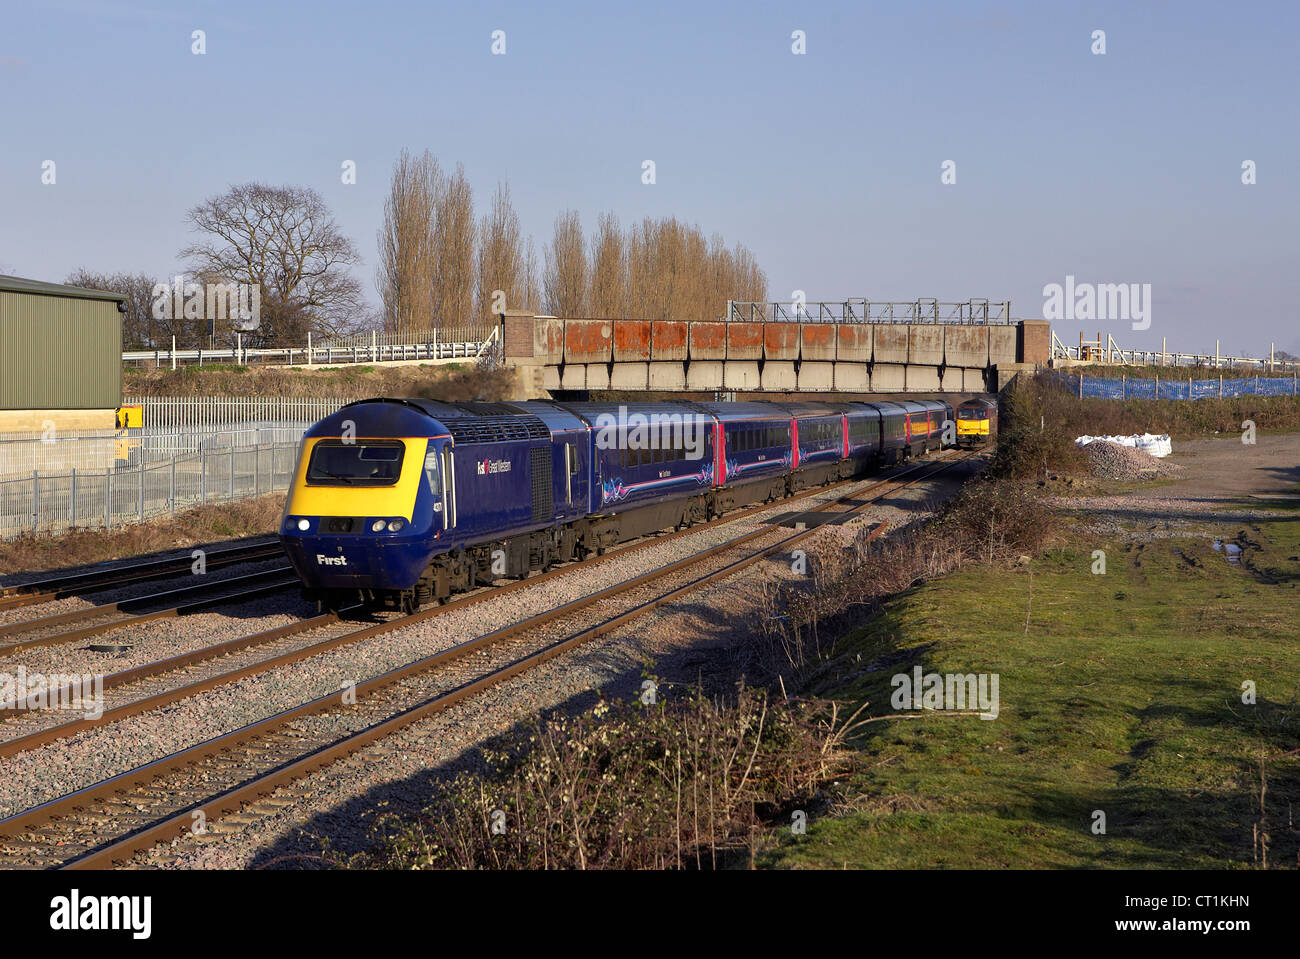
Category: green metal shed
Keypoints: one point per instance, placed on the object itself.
(60, 346)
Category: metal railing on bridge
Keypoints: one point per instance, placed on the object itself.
(975, 312)
(368, 348)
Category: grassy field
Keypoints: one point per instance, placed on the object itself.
(1122, 694)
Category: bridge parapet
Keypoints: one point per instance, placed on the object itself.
(775, 355)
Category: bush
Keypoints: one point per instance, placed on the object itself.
(625, 786)
(992, 521)
(995, 520)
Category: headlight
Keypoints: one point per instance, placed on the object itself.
(304, 524)
(377, 526)
(395, 525)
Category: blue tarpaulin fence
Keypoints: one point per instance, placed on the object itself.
(1173, 388)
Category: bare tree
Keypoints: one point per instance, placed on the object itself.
(502, 284)
(141, 329)
(673, 272)
(608, 269)
(283, 241)
(532, 287)
(454, 234)
(407, 252)
(565, 281)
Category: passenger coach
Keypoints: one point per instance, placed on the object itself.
(399, 502)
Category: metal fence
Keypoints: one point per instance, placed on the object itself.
(219, 413)
(59, 454)
(922, 311)
(431, 345)
(1105, 350)
(173, 426)
(111, 497)
(1179, 388)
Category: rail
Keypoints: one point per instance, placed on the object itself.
(977, 312)
(434, 346)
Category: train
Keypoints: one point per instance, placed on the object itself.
(977, 422)
(397, 503)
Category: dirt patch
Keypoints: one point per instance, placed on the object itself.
(1221, 481)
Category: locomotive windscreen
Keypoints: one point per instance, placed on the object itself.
(334, 463)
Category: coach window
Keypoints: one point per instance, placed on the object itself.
(431, 472)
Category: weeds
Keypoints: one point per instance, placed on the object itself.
(681, 784)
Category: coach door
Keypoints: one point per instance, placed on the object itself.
(448, 487)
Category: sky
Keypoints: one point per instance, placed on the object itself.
(1117, 167)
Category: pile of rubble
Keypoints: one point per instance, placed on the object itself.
(1112, 461)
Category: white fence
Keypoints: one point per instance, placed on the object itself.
(111, 497)
(209, 414)
(433, 345)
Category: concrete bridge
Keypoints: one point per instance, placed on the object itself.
(553, 354)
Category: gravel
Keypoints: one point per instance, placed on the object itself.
(99, 753)
(1112, 461)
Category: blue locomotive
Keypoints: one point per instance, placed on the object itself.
(400, 502)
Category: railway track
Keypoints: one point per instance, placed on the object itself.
(188, 661)
(236, 589)
(170, 795)
(62, 586)
(153, 690)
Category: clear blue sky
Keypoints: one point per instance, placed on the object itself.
(1117, 168)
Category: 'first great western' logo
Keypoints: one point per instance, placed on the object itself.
(488, 467)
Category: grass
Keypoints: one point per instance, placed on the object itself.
(1124, 695)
